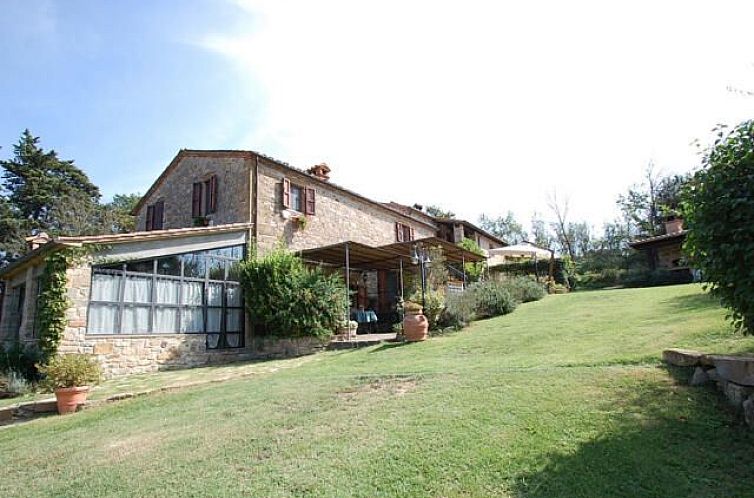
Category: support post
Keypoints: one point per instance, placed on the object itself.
(348, 292)
(463, 269)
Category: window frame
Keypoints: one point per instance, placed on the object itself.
(307, 198)
(122, 273)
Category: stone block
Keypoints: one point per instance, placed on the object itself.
(737, 369)
(735, 393)
(748, 407)
(103, 348)
(6, 414)
(699, 378)
(682, 357)
(712, 374)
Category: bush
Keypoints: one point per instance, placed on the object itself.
(718, 209)
(284, 298)
(21, 359)
(561, 272)
(459, 310)
(491, 299)
(15, 383)
(70, 370)
(525, 290)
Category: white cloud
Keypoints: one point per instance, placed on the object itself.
(486, 106)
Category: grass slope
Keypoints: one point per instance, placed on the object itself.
(565, 397)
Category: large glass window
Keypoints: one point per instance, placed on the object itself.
(188, 293)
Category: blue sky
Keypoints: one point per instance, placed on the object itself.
(117, 86)
(478, 106)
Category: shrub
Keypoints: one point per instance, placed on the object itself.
(15, 383)
(70, 370)
(718, 209)
(491, 299)
(459, 310)
(525, 289)
(21, 359)
(284, 298)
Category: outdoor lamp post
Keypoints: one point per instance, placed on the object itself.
(421, 257)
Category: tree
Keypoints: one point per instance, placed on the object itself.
(117, 217)
(439, 212)
(718, 207)
(505, 227)
(564, 235)
(34, 180)
(473, 271)
(540, 235)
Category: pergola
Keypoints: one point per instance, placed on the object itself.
(350, 255)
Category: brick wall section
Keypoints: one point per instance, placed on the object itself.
(339, 216)
(234, 194)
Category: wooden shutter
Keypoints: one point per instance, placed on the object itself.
(159, 210)
(398, 231)
(286, 193)
(212, 204)
(150, 218)
(411, 233)
(309, 201)
(196, 201)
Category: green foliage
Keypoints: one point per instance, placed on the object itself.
(562, 269)
(21, 359)
(719, 209)
(53, 302)
(474, 271)
(285, 298)
(525, 289)
(505, 227)
(70, 370)
(439, 212)
(460, 308)
(491, 299)
(433, 306)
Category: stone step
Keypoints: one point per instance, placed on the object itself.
(682, 357)
(736, 369)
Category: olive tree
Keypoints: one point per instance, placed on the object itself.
(719, 213)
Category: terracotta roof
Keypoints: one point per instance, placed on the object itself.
(658, 239)
(250, 154)
(60, 242)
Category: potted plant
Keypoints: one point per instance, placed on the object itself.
(415, 324)
(70, 376)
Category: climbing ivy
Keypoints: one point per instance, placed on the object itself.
(53, 298)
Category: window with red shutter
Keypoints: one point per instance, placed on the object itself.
(150, 218)
(309, 201)
(286, 193)
(196, 201)
(159, 211)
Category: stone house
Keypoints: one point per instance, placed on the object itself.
(166, 295)
(664, 252)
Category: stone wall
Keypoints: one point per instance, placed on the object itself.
(667, 254)
(339, 216)
(125, 354)
(234, 194)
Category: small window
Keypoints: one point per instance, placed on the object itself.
(298, 198)
(155, 215)
(204, 197)
(403, 233)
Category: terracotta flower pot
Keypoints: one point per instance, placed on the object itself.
(415, 326)
(69, 398)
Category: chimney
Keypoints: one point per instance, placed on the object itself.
(321, 171)
(37, 240)
(674, 225)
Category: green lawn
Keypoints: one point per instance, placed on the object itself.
(565, 397)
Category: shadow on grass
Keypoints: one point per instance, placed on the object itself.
(693, 302)
(663, 440)
(389, 345)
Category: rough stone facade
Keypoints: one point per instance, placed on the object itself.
(338, 217)
(234, 194)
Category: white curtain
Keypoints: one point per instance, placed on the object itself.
(102, 318)
(167, 291)
(234, 340)
(233, 295)
(135, 320)
(214, 317)
(138, 289)
(192, 320)
(215, 295)
(212, 340)
(192, 293)
(165, 320)
(233, 320)
(105, 287)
